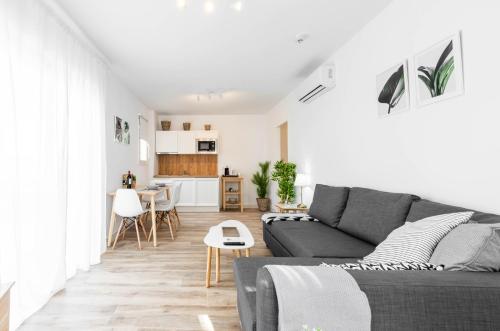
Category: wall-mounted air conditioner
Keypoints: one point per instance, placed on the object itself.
(318, 83)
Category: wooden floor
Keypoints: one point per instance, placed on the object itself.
(159, 288)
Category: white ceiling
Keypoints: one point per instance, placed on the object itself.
(167, 56)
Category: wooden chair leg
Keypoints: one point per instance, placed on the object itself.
(177, 216)
(143, 228)
(118, 234)
(170, 227)
(158, 223)
(159, 220)
(124, 229)
(137, 232)
(172, 217)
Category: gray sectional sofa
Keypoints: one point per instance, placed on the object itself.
(352, 222)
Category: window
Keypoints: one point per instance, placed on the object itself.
(143, 150)
(143, 142)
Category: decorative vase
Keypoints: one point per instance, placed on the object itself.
(186, 126)
(264, 204)
(165, 125)
(208, 127)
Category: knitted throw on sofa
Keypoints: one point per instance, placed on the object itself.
(319, 297)
(275, 217)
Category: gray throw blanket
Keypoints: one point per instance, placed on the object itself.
(315, 297)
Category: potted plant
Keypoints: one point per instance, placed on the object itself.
(261, 180)
(284, 173)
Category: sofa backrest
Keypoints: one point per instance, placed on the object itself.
(371, 215)
(328, 204)
(425, 208)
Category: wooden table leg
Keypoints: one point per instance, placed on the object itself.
(153, 219)
(209, 267)
(111, 224)
(247, 252)
(238, 253)
(217, 265)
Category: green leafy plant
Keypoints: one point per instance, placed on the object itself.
(284, 173)
(393, 89)
(261, 179)
(436, 78)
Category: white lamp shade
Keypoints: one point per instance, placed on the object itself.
(302, 180)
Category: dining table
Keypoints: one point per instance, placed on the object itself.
(143, 193)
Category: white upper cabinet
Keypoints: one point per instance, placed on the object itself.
(167, 142)
(181, 142)
(207, 134)
(187, 142)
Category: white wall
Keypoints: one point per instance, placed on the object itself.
(243, 143)
(448, 151)
(121, 158)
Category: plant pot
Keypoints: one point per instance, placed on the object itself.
(186, 126)
(165, 125)
(263, 204)
(208, 127)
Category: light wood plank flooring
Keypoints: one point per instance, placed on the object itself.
(159, 288)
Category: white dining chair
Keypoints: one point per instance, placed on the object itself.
(177, 196)
(128, 206)
(165, 210)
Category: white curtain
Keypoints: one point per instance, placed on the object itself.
(52, 167)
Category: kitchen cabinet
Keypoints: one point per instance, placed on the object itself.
(181, 142)
(212, 134)
(188, 191)
(207, 192)
(198, 194)
(166, 142)
(186, 143)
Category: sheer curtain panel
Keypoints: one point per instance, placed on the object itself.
(52, 102)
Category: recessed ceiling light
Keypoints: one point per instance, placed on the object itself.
(209, 7)
(181, 4)
(238, 5)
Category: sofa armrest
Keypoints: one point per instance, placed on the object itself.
(267, 302)
(416, 300)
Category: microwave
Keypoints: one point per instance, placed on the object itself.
(206, 146)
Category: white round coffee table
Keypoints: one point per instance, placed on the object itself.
(215, 239)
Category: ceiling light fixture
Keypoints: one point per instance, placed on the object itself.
(210, 95)
(181, 4)
(209, 7)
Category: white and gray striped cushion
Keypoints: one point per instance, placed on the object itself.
(415, 242)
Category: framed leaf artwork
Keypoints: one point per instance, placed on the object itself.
(438, 71)
(393, 90)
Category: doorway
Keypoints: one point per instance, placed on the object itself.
(284, 142)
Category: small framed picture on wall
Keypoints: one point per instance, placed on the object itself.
(393, 90)
(438, 71)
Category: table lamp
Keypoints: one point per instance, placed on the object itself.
(302, 180)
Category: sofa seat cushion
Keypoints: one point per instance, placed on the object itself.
(315, 239)
(329, 203)
(425, 208)
(371, 215)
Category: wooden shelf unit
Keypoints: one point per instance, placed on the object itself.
(237, 183)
